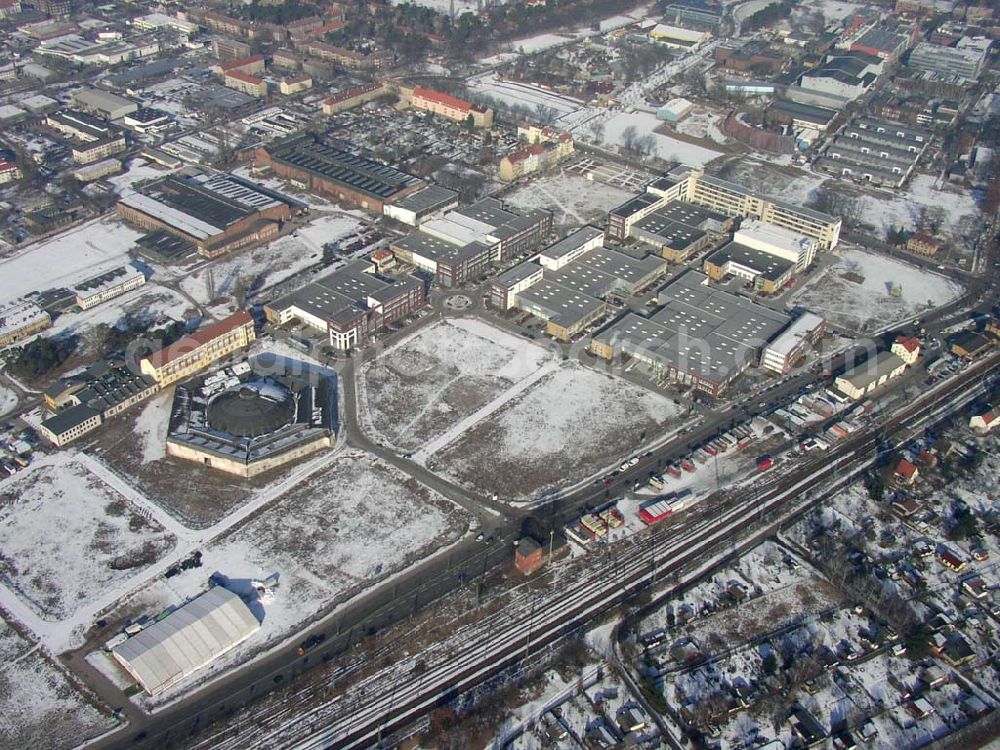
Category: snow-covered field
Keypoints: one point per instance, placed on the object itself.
(151, 302)
(702, 123)
(428, 382)
(8, 400)
(39, 707)
(954, 206)
(666, 147)
(514, 93)
(575, 199)
(353, 523)
(869, 306)
(269, 264)
(569, 424)
(67, 258)
(64, 533)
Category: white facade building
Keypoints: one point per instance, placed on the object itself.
(778, 241)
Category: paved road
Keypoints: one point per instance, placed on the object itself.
(427, 581)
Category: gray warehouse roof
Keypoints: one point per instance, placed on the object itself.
(572, 241)
(427, 199)
(187, 639)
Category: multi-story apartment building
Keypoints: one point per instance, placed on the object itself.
(230, 49)
(88, 153)
(245, 83)
(200, 349)
(546, 147)
(347, 99)
(446, 105)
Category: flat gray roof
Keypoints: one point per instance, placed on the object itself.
(771, 267)
(628, 271)
(562, 305)
(572, 241)
(427, 199)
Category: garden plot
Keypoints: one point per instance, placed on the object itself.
(575, 199)
(856, 293)
(431, 380)
(39, 707)
(67, 258)
(261, 267)
(64, 533)
(571, 423)
(348, 526)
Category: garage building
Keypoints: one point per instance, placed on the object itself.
(187, 639)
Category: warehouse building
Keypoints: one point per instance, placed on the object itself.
(680, 230)
(80, 125)
(215, 213)
(450, 264)
(21, 319)
(107, 285)
(571, 247)
(782, 354)
(351, 305)
(416, 208)
(104, 104)
(864, 378)
(701, 337)
(187, 639)
(350, 179)
(766, 273)
(573, 281)
(81, 403)
(192, 353)
(721, 196)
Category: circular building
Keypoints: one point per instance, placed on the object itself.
(247, 421)
(252, 409)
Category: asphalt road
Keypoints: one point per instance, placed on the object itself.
(425, 582)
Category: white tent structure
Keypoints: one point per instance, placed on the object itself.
(187, 639)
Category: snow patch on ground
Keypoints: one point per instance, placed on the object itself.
(39, 707)
(151, 426)
(575, 199)
(65, 533)
(667, 148)
(955, 207)
(868, 305)
(67, 258)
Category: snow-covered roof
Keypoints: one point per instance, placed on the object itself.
(187, 639)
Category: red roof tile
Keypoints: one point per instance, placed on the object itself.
(199, 338)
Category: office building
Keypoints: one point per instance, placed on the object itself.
(192, 353)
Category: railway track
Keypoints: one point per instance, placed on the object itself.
(390, 699)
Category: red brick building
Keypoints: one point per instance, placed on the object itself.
(529, 556)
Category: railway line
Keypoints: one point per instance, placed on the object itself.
(415, 684)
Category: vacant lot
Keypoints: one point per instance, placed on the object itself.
(64, 534)
(865, 292)
(575, 199)
(567, 426)
(420, 388)
(39, 707)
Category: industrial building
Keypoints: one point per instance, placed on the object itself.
(698, 14)
(765, 272)
(187, 639)
(192, 353)
(215, 213)
(701, 337)
(108, 285)
(878, 151)
(864, 378)
(81, 403)
(21, 319)
(351, 305)
(728, 198)
(415, 208)
(792, 344)
(963, 63)
(572, 281)
(777, 241)
(104, 104)
(847, 76)
(459, 245)
(350, 179)
(80, 125)
(245, 422)
(680, 230)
